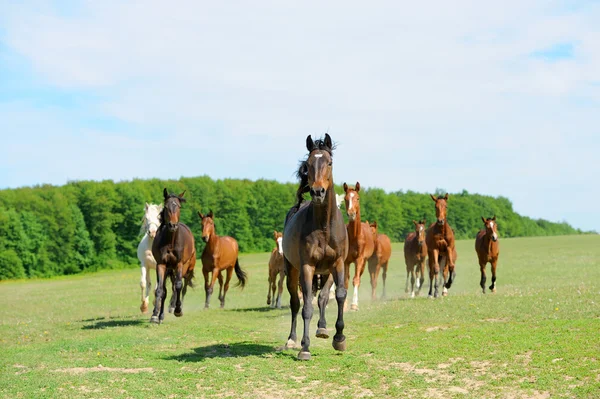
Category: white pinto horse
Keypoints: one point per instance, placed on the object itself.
(150, 224)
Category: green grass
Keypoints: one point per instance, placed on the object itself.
(537, 337)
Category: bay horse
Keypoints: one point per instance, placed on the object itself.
(415, 253)
(276, 268)
(380, 259)
(315, 242)
(488, 249)
(220, 253)
(441, 249)
(150, 223)
(360, 240)
(175, 253)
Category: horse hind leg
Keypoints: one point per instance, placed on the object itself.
(323, 300)
(280, 289)
(412, 281)
(383, 276)
(144, 285)
(444, 275)
(226, 286)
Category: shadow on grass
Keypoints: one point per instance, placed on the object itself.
(257, 309)
(104, 322)
(237, 349)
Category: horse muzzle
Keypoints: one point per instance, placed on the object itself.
(494, 238)
(440, 222)
(351, 216)
(205, 238)
(173, 227)
(318, 195)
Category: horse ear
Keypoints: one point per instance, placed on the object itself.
(182, 194)
(345, 187)
(275, 233)
(201, 215)
(375, 224)
(446, 197)
(494, 218)
(210, 214)
(433, 197)
(357, 187)
(483, 219)
(328, 142)
(147, 206)
(415, 222)
(165, 193)
(310, 144)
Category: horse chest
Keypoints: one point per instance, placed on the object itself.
(170, 256)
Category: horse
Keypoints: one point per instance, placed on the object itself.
(415, 253)
(360, 239)
(488, 249)
(220, 253)
(276, 268)
(379, 260)
(175, 253)
(150, 223)
(441, 249)
(315, 242)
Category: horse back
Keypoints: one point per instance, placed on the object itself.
(384, 248)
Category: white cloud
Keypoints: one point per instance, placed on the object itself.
(417, 94)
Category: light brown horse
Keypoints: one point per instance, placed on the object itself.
(220, 253)
(360, 240)
(276, 268)
(415, 253)
(441, 249)
(315, 242)
(379, 260)
(488, 249)
(175, 253)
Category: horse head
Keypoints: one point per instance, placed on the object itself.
(352, 200)
(318, 168)
(208, 225)
(279, 239)
(420, 231)
(171, 210)
(152, 219)
(440, 208)
(491, 228)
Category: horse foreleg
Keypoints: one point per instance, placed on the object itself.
(209, 289)
(421, 276)
(161, 293)
(339, 340)
(323, 300)
(220, 278)
(408, 272)
(280, 289)
(346, 281)
(292, 281)
(177, 288)
(434, 269)
(482, 265)
(306, 281)
(383, 276)
(143, 285)
(374, 274)
(443, 276)
(450, 265)
(226, 287)
(270, 288)
(494, 262)
(358, 271)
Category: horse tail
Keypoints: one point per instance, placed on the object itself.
(241, 275)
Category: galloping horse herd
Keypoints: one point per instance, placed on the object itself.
(314, 252)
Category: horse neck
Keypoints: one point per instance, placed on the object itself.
(324, 215)
(213, 240)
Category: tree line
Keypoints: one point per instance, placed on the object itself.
(85, 225)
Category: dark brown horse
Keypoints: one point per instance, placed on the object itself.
(488, 249)
(441, 249)
(220, 253)
(315, 242)
(415, 253)
(360, 240)
(276, 268)
(175, 254)
(379, 260)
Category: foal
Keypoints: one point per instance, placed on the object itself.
(276, 268)
(379, 260)
(220, 253)
(440, 249)
(488, 249)
(360, 240)
(415, 253)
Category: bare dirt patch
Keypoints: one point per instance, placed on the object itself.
(101, 368)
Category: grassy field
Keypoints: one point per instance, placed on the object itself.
(537, 337)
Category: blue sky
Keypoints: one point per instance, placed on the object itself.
(499, 99)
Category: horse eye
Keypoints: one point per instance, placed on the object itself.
(330, 164)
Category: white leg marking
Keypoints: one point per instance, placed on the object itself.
(355, 296)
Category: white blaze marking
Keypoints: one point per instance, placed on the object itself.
(491, 225)
(350, 200)
(421, 228)
(318, 155)
(279, 240)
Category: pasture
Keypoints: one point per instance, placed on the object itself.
(537, 337)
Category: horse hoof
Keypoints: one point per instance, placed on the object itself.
(445, 293)
(290, 344)
(354, 307)
(493, 289)
(171, 309)
(268, 301)
(339, 345)
(154, 319)
(302, 355)
(144, 307)
(322, 333)
(178, 314)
